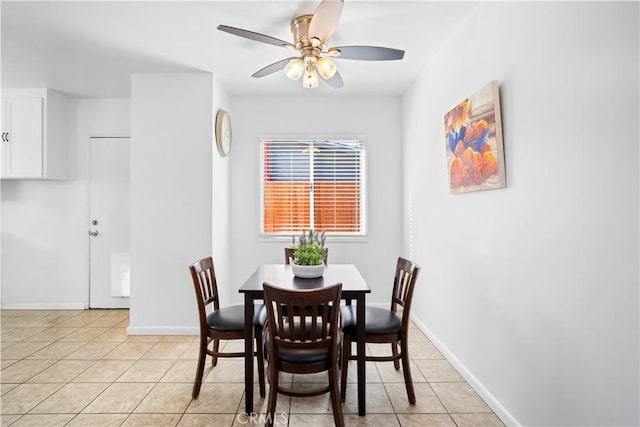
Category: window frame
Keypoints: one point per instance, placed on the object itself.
(335, 236)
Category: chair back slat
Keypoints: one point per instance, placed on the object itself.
(403, 285)
(290, 321)
(208, 285)
(205, 286)
(303, 318)
(289, 253)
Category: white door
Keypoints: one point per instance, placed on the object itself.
(109, 223)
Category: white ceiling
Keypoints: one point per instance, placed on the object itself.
(90, 49)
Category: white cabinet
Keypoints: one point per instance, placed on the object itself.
(35, 124)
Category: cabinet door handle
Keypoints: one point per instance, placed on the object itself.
(3, 134)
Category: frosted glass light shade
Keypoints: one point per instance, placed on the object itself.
(326, 67)
(294, 68)
(310, 79)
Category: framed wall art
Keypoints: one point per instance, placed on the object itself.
(473, 135)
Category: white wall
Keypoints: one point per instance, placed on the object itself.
(220, 219)
(45, 246)
(45, 257)
(171, 197)
(532, 290)
(378, 119)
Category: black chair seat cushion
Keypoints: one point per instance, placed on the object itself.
(260, 315)
(228, 319)
(379, 321)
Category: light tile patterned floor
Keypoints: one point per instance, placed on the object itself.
(79, 368)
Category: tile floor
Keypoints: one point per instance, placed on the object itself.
(79, 368)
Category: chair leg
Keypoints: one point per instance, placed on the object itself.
(408, 382)
(346, 354)
(338, 416)
(273, 395)
(260, 357)
(394, 350)
(216, 349)
(200, 369)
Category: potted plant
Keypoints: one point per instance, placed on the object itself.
(308, 261)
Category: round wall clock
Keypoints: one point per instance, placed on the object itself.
(223, 133)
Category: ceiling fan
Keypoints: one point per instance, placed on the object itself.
(311, 33)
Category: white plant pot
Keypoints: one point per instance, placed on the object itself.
(307, 271)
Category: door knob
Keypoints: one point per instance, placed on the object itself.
(93, 233)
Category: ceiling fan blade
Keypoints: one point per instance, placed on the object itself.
(272, 68)
(369, 53)
(325, 19)
(251, 35)
(335, 81)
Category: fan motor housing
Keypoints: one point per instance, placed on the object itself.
(300, 31)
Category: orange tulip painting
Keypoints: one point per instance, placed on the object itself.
(473, 134)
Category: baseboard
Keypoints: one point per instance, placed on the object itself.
(162, 330)
(493, 403)
(44, 306)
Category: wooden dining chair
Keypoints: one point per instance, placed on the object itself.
(384, 326)
(302, 338)
(220, 323)
(290, 253)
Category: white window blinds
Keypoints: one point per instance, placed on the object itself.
(318, 184)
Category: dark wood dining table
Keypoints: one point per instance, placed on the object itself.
(354, 287)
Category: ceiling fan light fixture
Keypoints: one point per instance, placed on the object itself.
(314, 58)
(326, 67)
(310, 79)
(333, 52)
(294, 68)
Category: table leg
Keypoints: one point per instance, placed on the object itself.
(361, 348)
(248, 352)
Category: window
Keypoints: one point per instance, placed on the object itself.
(317, 184)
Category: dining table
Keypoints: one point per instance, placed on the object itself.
(354, 288)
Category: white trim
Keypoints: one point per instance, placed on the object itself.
(163, 330)
(314, 136)
(45, 306)
(485, 394)
(330, 239)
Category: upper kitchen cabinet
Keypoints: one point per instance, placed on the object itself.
(35, 129)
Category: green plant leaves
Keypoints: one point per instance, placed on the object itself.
(310, 249)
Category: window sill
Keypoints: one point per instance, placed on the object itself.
(330, 239)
